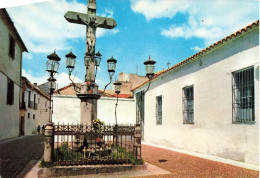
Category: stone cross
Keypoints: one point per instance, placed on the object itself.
(92, 22)
(88, 105)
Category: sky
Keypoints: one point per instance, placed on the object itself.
(166, 30)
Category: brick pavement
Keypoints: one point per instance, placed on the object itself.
(184, 165)
(15, 154)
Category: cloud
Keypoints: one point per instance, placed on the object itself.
(27, 56)
(196, 48)
(159, 8)
(62, 79)
(43, 26)
(209, 20)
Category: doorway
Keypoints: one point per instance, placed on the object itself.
(21, 129)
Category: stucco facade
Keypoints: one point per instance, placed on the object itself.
(34, 108)
(66, 109)
(213, 131)
(11, 48)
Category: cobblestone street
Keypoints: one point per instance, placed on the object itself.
(184, 165)
(17, 153)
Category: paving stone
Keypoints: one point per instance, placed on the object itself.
(184, 165)
(15, 154)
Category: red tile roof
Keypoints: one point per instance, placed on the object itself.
(107, 93)
(202, 52)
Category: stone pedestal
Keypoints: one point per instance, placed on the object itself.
(137, 144)
(48, 142)
(88, 95)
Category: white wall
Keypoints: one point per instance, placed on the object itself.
(213, 132)
(41, 114)
(11, 68)
(67, 110)
(9, 114)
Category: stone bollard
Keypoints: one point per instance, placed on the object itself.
(48, 142)
(137, 138)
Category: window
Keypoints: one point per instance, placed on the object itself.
(28, 115)
(33, 116)
(159, 110)
(10, 92)
(243, 95)
(188, 112)
(11, 47)
(29, 98)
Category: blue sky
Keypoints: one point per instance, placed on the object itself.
(167, 30)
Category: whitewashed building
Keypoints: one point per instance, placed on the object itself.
(66, 107)
(35, 108)
(11, 49)
(208, 103)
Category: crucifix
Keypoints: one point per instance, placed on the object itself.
(89, 89)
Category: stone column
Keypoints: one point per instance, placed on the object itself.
(137, 139)
(49, 142)
(89, 95)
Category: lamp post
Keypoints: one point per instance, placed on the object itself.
(149, 68)
(52, 66)
(117, 91)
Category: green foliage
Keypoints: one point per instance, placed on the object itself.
(65, 153)
(45, 164)
(121, 153)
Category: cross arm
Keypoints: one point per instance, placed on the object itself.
(80, 18)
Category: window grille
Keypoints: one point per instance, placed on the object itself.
(243, 95)
(159, 110)
(11, 47)
(188, 103)
(10, 92)
(29, 98)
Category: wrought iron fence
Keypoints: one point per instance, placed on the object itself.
(83, 144)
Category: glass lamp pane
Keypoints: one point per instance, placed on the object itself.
(97, 61)
(118, 87)
(111, 65)
(55, 66)
(52, 85)
(149, 69)
(70, 62)
(49, 65)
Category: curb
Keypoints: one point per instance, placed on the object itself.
(28, 168)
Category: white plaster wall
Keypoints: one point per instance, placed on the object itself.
(9, 114)
(125, 110)
(213, 132)
(67, 110)
(41, 115)
(11, 68)
(7, 64)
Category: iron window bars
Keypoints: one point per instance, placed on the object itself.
(188, 103)
(159, 110)
(243, 101)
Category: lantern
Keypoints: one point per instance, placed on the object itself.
(71, 60)
(97, 59)
(149, 67)
(117, 87)
(52, 64)
(111, 64)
